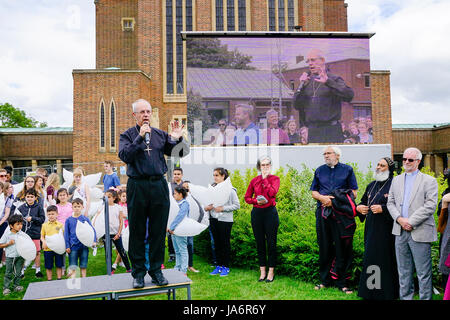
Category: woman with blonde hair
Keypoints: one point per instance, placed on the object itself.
(51, 188)
(81, 188)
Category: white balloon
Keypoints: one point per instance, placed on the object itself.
(2, 203)
(189, 227)
(56, 242)
(126, 238)
(99, 223)
(25, 246)
(92, 179)
(96, 194)
(85, 233)
(200, 193)
(94, 208)
(220, 194)
(173, 209)
(16, 188)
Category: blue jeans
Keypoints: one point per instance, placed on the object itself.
(81, 256)
(181, 253)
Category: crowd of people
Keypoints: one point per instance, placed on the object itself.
(398, 213)
(278, 132)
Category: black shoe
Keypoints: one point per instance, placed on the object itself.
(159, 279)
(270, 280)
(39, 274)
(138, 282)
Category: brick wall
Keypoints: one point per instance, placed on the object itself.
(405, 138)
(313, 15)
(90, 87)
(381, 106)
(335, 15)
(441, 139)
(114, 47)
(18, 146)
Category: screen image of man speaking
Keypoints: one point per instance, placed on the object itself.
(318, 100)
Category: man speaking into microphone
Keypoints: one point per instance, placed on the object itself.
(143, 148)
(318, 100)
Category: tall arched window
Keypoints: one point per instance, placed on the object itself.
(102, 126)
(112, 126)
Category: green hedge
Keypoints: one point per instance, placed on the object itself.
(297, 248)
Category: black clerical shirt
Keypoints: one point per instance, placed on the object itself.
(142, 163)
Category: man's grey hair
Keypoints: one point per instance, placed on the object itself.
(247, 107)
(336, 150)
(271, 111)
(135, 104)
(417, 151)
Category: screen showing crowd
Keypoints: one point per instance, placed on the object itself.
(278, 90)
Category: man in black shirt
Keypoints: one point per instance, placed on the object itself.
(147, 190)
(318, 100)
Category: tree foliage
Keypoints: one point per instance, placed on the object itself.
(210, 53)
(11, 117)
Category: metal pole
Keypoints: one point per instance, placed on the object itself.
(108, 250)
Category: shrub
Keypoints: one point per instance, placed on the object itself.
(298, 252)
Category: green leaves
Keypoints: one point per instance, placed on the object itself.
(11, 117)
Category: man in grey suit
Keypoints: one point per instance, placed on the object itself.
(412, 202)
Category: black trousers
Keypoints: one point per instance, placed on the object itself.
(265, 224)
(221, 231)
(335, 253)
(121, 250)
(147, 198)
(321, 134)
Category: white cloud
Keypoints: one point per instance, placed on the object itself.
(43, 42)
(410, 41)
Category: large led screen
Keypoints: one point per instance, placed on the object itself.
(278, 90)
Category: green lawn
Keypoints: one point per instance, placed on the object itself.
(241, 284)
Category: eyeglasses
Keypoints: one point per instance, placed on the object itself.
(327, 153)
(409, 160)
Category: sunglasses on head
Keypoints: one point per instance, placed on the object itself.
(409, 160)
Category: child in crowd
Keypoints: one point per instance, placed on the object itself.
(38, 185)
(180, 243)
(8, 191)
(50, 228)
(34, 216)
(78, 252)
(123, 204)
(28, 183)
(64, 211)
(52, 187)
(190, 240)
(14, 262)
(82, 188)
(110, 179)
(116, 226)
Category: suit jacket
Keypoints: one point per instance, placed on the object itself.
(422, 205)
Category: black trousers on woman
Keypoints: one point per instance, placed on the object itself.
(265, 224)
(221, 233)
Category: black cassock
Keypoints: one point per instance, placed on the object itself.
(379, 244)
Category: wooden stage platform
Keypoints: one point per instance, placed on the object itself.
(113, 287)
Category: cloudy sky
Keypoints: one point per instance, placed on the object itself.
(41, 41)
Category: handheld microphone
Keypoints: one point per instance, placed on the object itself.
(303, 83)
(147, 136)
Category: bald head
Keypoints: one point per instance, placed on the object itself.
(316, 60)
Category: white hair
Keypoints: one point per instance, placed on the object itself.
(417, 151)
(135, 104)
(336, 150)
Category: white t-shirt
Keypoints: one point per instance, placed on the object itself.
(114, 221)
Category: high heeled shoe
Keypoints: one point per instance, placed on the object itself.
(270, 280)
(262, 279)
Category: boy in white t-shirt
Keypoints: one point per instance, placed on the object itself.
(14, 262)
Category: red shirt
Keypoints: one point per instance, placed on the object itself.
(267, 187)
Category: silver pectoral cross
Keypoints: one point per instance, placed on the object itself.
(148, 149)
